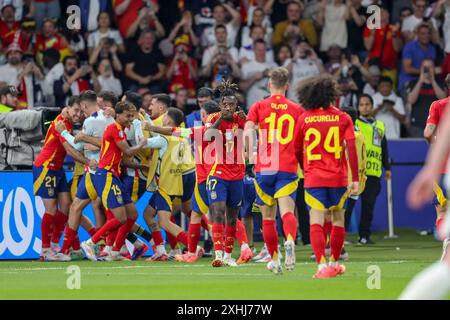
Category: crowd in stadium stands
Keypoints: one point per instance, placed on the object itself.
(178, 46)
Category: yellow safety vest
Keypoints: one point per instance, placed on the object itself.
(373, 136)
(5, 109)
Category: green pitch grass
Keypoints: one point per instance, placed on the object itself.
(398, 259)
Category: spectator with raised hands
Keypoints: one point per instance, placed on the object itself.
(105, 31)
(8, 24)
(421, 94)
(182, 71)
(419, 16)
(222, 66)
(221, 47)
(304, 65)
(332, 18)
(246, 53)
(220, 12)
(50, 38)
(106, 49)
(106, 78)
(442, 13)
(134, 16)
(184, 29)
(356, 22)
(289, 31)
(258, 18)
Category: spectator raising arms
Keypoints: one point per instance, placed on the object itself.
(421, 94)
(104, 31)
(106, 78)
(50, 38)
(134, 16)
(220, 11)
(332, 18)
(258, 18)
(410, 23)
(295, 27)
(182, 72)
(8, 24)
(183, 29)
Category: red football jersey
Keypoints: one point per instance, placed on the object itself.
(201, 166)
(435, 115)
(322, 133)
(53, 153)
(110, 154)
(276, 118)
(229, 161)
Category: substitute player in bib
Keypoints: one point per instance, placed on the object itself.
(324, 132)
(276, 165)
(50, 179)
(225, 180)
(108, 184)
(440, 201)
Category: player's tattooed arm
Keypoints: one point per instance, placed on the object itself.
(429, 132)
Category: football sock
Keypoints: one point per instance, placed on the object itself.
(217, 236)
(172, 240)
(58, 226)
(318, 242)
(122, 234)
(92, 231)
(111, 225)
(111, 237)
(336, 242)
(230, 233)
(290, 226)
(181, 237)
(47, 226)
(327, 230)
(157, 237)
(270, 236)
(193, 236)
(147, 236)
(431, 284)
(241, 234)
(76, 242)
(439, 226)
(69, 235)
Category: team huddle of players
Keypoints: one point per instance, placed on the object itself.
(125, 153)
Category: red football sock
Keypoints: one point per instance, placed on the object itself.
(59, 224)
(181, 237)
(109, 215)
(111, 237)
(108, 227)
(206, 224)
(217, 236)
(318, 242)
(193, 236)
(123, 233)
(290, 226)
(241, 234)
(439, 225)
(230, 234)
(76, 242)
(337, 241)
(327, 230)
(270, 236)
(47, 226)
(92, 231)
(157, 238)
(69, 236)
(172, 240)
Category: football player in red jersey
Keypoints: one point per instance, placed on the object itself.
(434, 282)
(225, 180)
(323, 133)
(276, 165)
(108, 184)
(50, 179)
(441, 198)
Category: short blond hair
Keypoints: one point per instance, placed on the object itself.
(279, 77)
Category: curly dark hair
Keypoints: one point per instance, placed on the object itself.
(226, 89)
(317, 92)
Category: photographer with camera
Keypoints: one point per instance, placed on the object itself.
(255, 74)
(389, 108)
(305, 64)
(421, 94)
(106, 49)
(182, 72)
